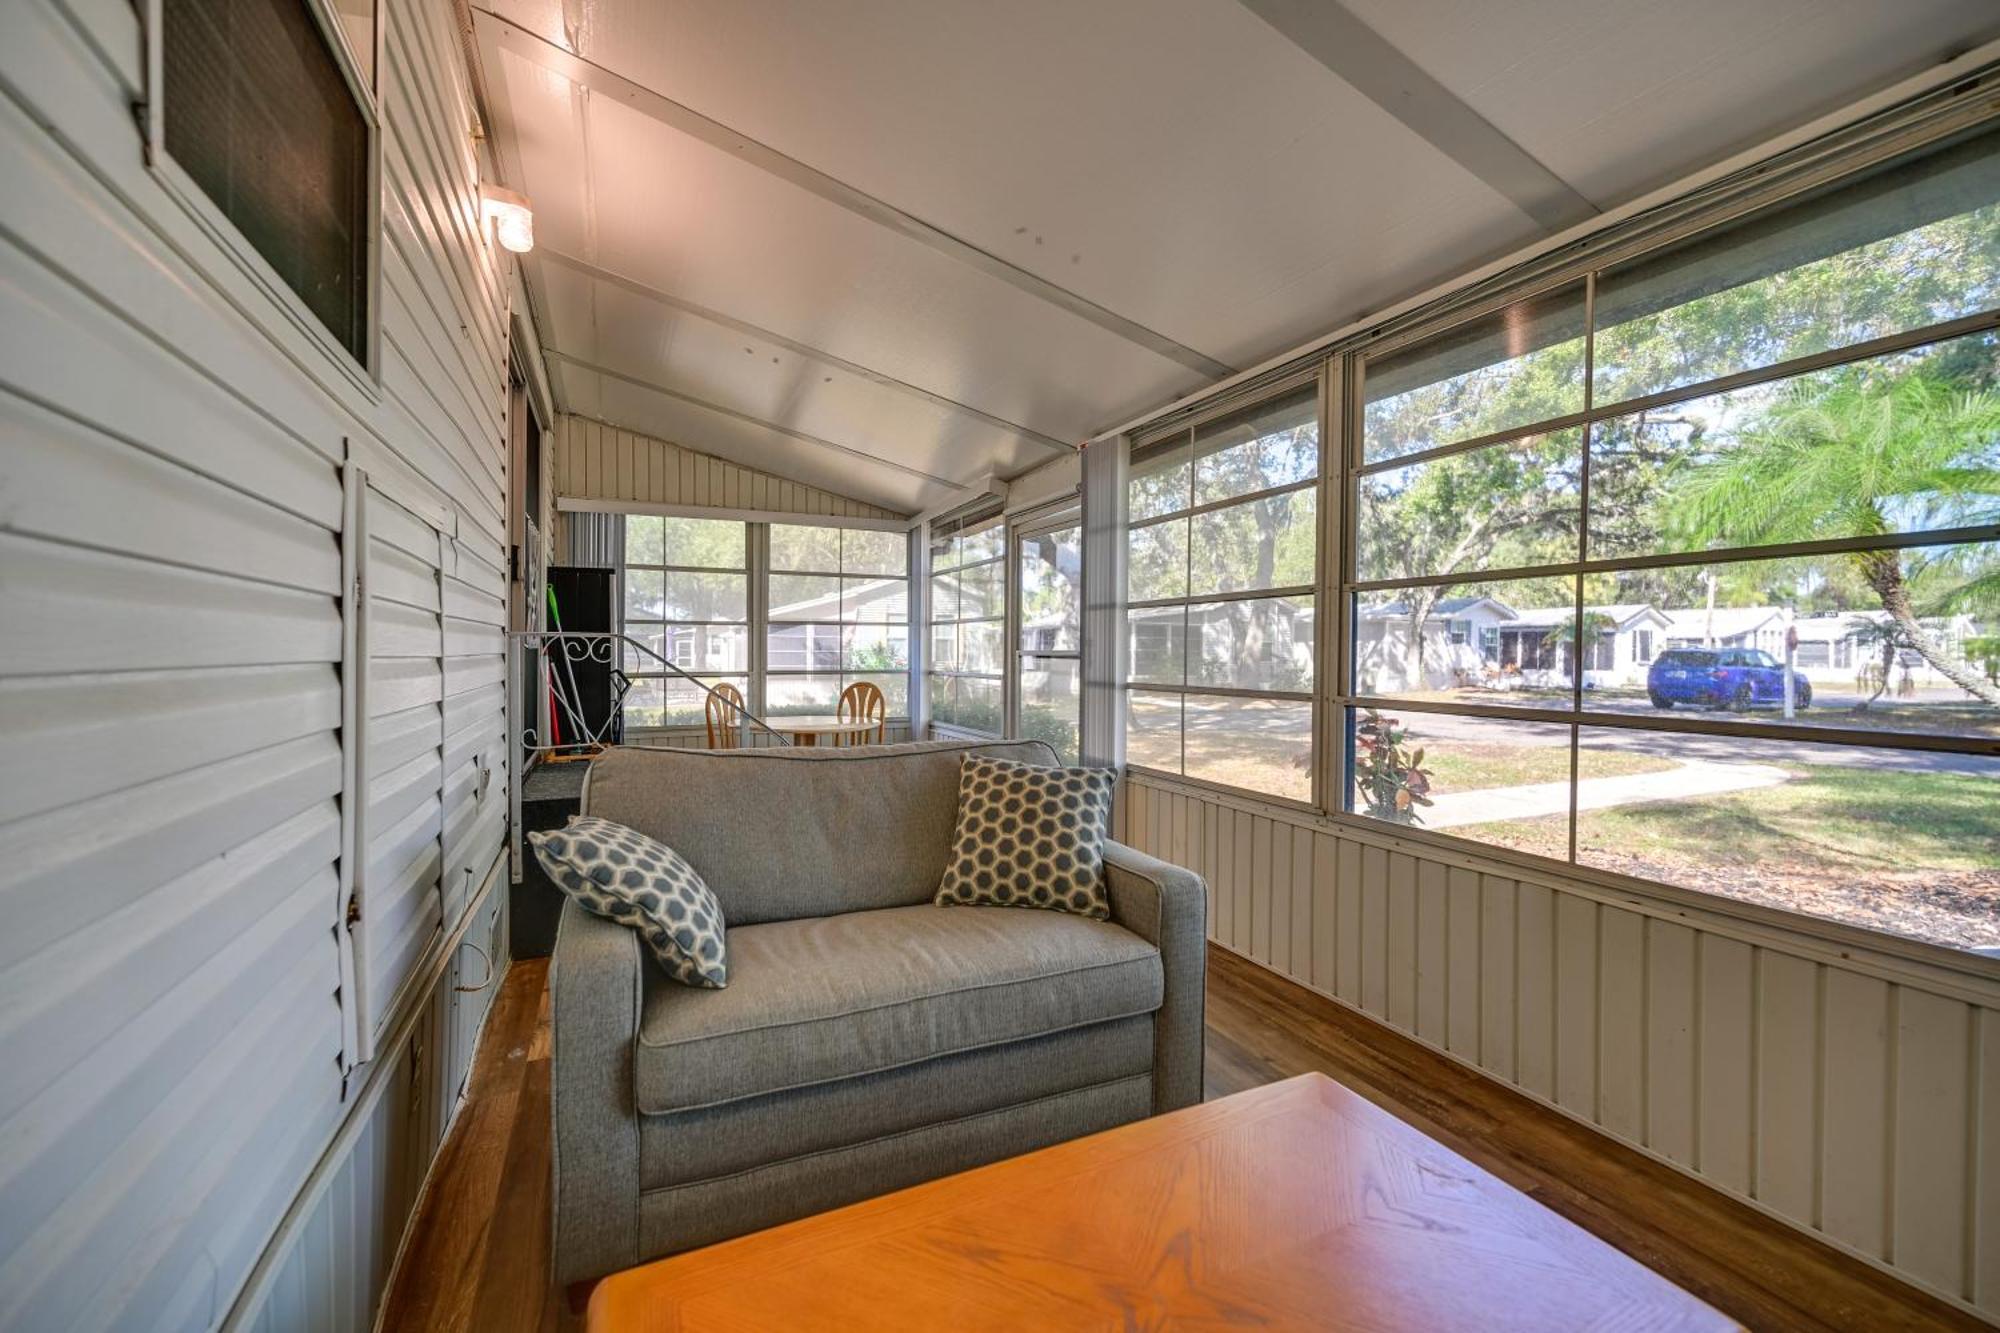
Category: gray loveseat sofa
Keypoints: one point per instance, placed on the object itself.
(867, 1039)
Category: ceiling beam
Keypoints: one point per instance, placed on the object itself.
(652, 386)
(538, 50)
(749, 330)
(1330, 34)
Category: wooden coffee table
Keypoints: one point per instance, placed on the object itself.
(1295, 1205)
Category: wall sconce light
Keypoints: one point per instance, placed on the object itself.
(513, 221)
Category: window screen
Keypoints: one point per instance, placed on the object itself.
(259, 114)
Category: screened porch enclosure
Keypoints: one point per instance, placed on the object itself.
(1503, 501)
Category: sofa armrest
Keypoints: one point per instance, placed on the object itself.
(1167, 906)
(596, 988)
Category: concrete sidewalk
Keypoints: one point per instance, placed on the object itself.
(1694, 778)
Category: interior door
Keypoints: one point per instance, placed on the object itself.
(1047, 632)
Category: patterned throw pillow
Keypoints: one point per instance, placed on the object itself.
(622, 875)
(1029, 836)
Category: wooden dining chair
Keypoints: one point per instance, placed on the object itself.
(725, 718)
(863, 702)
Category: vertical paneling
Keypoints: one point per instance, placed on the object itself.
(1846, 1103)
(599, 462)
(1433, 940)
(1670, 1041)
(1400, 961)
(1788, 1088)
(1854, 1152)
(1726, 1118)
(1928, 1205)
(1621, 1023)
(1347, 932)
(1499, 995)
(1576, 1004)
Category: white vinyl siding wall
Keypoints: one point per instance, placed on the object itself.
(170, 694)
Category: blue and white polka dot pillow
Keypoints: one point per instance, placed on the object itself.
(622, 875)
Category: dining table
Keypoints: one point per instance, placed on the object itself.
(808, 729)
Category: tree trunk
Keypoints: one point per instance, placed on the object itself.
(1421, 602)
(1884, 572)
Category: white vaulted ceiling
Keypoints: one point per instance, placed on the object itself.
(890, 247)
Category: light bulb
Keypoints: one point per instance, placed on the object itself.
(513, 221)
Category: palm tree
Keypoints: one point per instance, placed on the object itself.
(1885, 636)
(1868, 457)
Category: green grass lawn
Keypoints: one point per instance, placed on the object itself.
(1916, 854)
(1473, 766)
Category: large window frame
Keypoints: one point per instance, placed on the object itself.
(1186, 437)
(680, 637)
(1577, 714)
(845, 571)
(951, 556)
(1047, 522)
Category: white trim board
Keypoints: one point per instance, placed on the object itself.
(572, 504)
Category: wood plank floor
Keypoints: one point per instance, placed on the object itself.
(477, 1258)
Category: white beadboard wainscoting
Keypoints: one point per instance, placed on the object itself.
(1851, 1094)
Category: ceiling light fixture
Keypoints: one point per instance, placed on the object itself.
(513, 221)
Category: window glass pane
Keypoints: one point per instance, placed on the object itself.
(804, 648)
(808, 547)
(1153, 730)
(1052, 591)
(1503, 506)
(672, 701)
(697, 648)
(1515, 367)
(944, 699)
(944, 648)
(977, 707)
(1488, 779)
(1262, 745)
(944, 553)
(1902, 841)
(263, 120)
(876, 600)
(690, 596)
(986, 542)
(1157, 482)
(654, 639)
(1156, 560)
(979, 641)
(643, 595)
(1273, 444)
(796, 696)
(982, 591)
(869, 552)
(642, 540)
(1260, 643)
(710, 543)
(1880, 640)
(1905, 443)
(805, 597)
(1267, 543)
(1157, 645)
(1051, 699)
(944, 597)
(895, 689)
(1914, 243)
(876, 647)
(1506, 642)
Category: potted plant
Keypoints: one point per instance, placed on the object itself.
(1389, 778)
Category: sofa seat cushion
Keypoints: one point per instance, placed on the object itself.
(836, 997)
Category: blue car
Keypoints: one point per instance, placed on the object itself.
(1739, 678)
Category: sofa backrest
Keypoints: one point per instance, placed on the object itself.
(786, 833)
